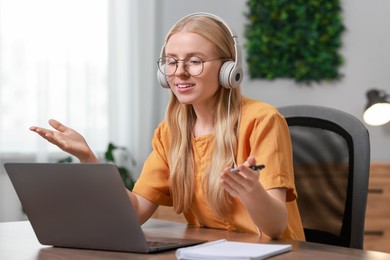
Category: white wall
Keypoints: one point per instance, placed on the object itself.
(365, 49)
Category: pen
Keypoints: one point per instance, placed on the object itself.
(253, 167)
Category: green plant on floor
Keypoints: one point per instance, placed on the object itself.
(124, 172)
(109, 157)
(297, 39)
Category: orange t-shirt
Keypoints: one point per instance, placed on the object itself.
(263, 133)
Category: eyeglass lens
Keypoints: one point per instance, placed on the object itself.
(169, 65)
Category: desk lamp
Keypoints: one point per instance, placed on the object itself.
(377, 111)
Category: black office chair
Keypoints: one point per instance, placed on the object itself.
(331, 156)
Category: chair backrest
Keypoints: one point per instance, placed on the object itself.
(331, 156)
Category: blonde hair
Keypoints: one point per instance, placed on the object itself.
(181, 119)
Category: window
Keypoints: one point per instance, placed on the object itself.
(53, 64)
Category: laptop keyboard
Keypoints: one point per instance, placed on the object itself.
(159, 243)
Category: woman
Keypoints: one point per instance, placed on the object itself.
(210, 128)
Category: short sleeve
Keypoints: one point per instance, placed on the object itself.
(153, 183)
(265, 135)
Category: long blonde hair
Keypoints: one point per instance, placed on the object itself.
(181, 119)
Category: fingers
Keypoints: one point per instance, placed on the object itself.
(229, 189)
(41, 131)
(228, 183)
(54, 138)
(250, 161)
(57, 125)
(241, 182)
(245, 170)
(67, 140)
(50, 135)
(234, 183)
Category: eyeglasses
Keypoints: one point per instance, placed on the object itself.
(193, 65)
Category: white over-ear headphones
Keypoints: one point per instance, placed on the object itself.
(231, 72)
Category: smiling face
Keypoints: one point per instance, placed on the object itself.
(196, 90)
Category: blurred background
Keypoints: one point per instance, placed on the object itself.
(92, 65)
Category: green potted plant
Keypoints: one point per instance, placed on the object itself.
(110, 157)
(124, 172)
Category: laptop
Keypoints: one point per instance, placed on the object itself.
(83, 206)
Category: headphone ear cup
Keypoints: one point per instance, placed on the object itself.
(236, 76)
(224, 74)
(162, 79)
(230, 75)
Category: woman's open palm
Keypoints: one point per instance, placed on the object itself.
(67, 140)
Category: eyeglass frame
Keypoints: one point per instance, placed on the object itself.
(185, 67)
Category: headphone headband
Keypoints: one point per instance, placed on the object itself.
(231, 72)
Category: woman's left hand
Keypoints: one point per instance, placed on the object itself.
(267, 208)
(243, 182)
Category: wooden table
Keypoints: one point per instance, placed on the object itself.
(18, 241)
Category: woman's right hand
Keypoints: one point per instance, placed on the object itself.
(67, 140)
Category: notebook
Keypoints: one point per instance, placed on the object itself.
(225, 250)
(83, 206)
